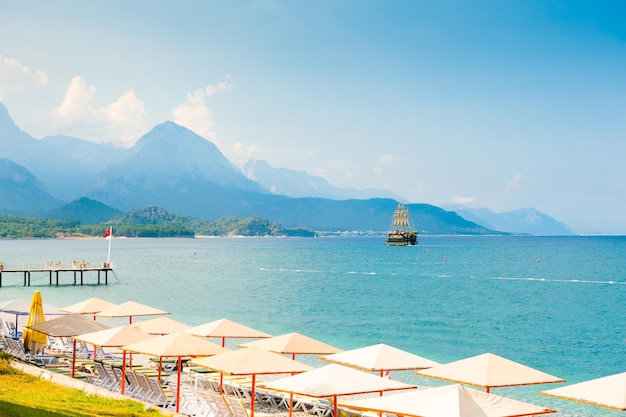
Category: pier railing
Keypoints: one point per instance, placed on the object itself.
(55, 270)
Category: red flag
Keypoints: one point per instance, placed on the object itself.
(107, 234)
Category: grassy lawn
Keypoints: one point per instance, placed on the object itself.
(24, 395)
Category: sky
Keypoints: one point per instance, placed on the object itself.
(497, 104)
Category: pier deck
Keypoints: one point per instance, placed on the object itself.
(54, 273)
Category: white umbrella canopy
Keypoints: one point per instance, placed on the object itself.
(130, 309)
(293, 343)
(19, 307)
(608, 391)
(176, 345)
(379, 358)
(252, 361)
(489, 371)
(160, 326)
(334, 380)
(226, 328)
(447, 401)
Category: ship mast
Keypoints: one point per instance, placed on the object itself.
(401, 218)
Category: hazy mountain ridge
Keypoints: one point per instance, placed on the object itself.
(21, 192)
(522, 221)
(283, 181)
(173, 168)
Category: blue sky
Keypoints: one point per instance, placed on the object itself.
(497, 104)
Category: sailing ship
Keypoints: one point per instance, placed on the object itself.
(402, 233)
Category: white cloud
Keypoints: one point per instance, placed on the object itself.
(462, 200)
(378, 171)
(120, 123)
(16, 77)
(515, 184)
(195, 114)
(240, 149)
(387, 159)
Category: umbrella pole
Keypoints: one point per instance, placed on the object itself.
(221, 383)
(335, 407)
(178, 384)
(290, 404)
(252, 401)
(74, 359)
(160, 366)
(123, 372)
(223, 341)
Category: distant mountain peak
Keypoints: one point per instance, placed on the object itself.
(296, 184)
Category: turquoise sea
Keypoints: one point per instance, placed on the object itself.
(552, 303)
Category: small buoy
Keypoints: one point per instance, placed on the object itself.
(427, 250)
(445, 257)
(269, 254)
(538, 260)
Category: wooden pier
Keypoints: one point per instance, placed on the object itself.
(54, 273)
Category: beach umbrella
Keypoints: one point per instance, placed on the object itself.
(175, 345)
(89, 306)
(21, 307)
(446, 401)
(252, 361)
(70, 325)
(489, 371)
(160, 326)
(130, 309)
(33, 341)
(292, 344)
(332, 381)
(379, 358)
(608, 391)
(115, 337)
(226, 328)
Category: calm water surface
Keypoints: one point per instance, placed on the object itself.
(553, 303)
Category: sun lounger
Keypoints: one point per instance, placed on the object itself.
(146, 393)
(222, 407)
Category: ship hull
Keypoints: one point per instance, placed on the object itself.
(401, 239)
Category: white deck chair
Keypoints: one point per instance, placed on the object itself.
(222, 407)
(146, 393)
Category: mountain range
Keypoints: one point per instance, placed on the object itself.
(173, 168)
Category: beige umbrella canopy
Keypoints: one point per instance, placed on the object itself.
(115, 337)
(489, 371)
(130, 309)
(160, 326)
(176, 345)
(334, 380)
(293, 343)
(380, 358)
(226, 328)
(89, 306)
(608, 391)
(252, 361)
(69, 326)
(447, 401)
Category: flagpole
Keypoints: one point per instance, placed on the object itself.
(110, 239)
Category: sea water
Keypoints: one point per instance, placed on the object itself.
(551, 303)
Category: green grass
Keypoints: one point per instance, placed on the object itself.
(24, 395)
